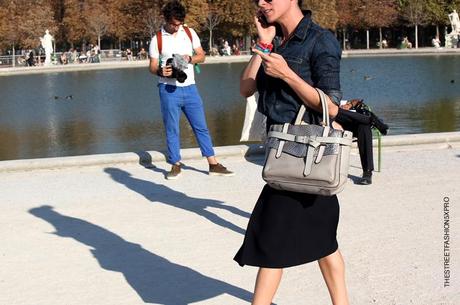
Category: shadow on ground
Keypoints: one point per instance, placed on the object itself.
(355, 179)
(160, 193)
(154, 278)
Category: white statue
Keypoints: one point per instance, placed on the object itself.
(454, 22)
(47, 44)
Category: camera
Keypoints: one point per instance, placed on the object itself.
(178, 64)
(376, 122)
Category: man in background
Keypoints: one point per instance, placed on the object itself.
(173, 48)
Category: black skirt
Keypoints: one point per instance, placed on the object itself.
(288, 229)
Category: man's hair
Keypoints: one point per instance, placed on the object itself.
(174, 9)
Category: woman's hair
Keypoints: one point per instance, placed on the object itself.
(174, 9)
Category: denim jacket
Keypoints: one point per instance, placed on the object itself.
(314, 54)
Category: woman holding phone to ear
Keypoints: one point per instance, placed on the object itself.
(286, 228)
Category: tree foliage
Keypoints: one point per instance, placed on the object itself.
(81, 21)
(414, 11)
(324, 12)
(24, 27)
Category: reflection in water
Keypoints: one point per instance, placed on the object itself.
(119, 110)
(441, 116)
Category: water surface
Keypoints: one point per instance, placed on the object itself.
(118, 110)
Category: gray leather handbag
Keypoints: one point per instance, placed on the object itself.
(307, 158)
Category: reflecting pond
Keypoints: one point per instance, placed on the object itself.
(75, 113)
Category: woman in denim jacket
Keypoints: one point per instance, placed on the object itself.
(286, 228)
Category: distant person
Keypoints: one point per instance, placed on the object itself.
(384, 43)
(406, 44)
(31, 59)
(214, 51)
(235, 50)
(142, 54)
(73, 56)
(226, 50)
(129, 54)
(436, 42)
(63, 58)
(170, 48)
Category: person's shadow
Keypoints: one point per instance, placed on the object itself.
(154, 278)
(163, 194)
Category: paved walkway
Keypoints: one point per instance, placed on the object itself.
(121, 234)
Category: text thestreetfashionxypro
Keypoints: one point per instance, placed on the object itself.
(447, 256)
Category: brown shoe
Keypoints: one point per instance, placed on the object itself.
(219, 170)
(174, 173)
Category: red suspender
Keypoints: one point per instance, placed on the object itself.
(159, 42)
(189, 34)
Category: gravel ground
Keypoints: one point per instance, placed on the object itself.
(124, 235)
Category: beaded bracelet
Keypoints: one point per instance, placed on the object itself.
(266, 45)
(262, 49)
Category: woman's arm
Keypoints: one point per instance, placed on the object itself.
(276, 66)
(248, 77)
(308, 94)
(266, 34)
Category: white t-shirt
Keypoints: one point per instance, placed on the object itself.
(178, 44)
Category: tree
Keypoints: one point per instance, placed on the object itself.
(152, 22)
(213, 19)
(437, 11)
(75, 22)
(414, 11)
(237, 16)
(23, 28)
(98, 22)
(382, 13)
(34, 23)
(324, 12)
(197, 11)
(347, 12)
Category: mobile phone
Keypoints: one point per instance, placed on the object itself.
(262, 19)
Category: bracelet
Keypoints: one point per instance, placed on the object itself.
(263, 50)
(266, 45)
(190, 59)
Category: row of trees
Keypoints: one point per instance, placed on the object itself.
(77, 22)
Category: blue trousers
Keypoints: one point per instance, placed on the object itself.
(174, 100)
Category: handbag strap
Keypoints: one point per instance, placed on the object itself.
(323, 99)
(313, 141)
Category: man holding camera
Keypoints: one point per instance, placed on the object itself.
(173, 52)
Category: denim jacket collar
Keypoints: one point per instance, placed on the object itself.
(302, 28)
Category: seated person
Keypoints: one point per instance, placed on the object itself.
(384, 43)
(355, 116)
(406, 44)
(436, 42)
(64, 58)
(142, 55)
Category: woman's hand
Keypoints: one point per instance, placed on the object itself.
(274, 65)
(266, 32)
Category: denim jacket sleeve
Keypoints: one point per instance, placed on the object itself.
(325, 63)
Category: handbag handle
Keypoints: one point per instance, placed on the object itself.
(323, 99)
